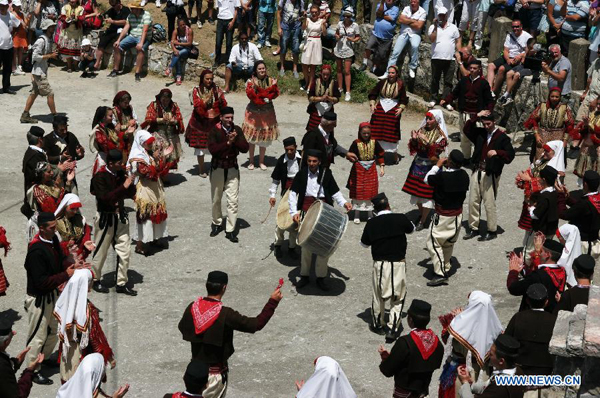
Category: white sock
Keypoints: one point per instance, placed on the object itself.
(365, 61)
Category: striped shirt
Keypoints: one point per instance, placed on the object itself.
(136, 25)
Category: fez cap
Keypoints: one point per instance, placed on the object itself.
(289, 141)
(549, 174)
(585, 264)
(5, 327)
(457, 157)
(314, 152)
(508, 345)
(329, 115)
(197, 372)
(219, 277)
(36, 131)
(60, 119)
(227, 110)
(115, 155)
(45, 217)
(420, 308)
(553, 246)
(591, 175)
(537, 292)
(475, 62)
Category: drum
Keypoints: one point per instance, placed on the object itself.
(322, 229)
(284, 218)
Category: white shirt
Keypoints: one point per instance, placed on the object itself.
(312, 186)
(292, 169)
(37, 148)
(518, 46)
(490, 135)
(227, 8)
(419, 15)
(445, 41)
(245, 58)
(434, 170)
(8, 23)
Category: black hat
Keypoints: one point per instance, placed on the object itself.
(537, 292)
(585, 264)
(591, 175)
(474, 61)
(553, 246)
(488, 117)
(549, 174)
(60, 119)
(45, 217)
(5, 327)
(420, 308)
(196, 376)
(289, 141)
(508, 345)
(457, 157)
(379, 197)
(314, 152)
(227, 110)
(329, 115)
(114, 155)
(219, 277)
(37, 131)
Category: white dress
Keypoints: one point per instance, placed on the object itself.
(313, 50)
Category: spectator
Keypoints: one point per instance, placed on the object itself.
(136, 33)
(8, 24)
(245, 16)
(181, 44)
(312, 56)
(241, 61)
(87, 59)
(592, 90)
(555, 20)
(575, 23)
(381, 39)
(71, 32)
(482, 18)
(289, 19)
(470, 18)
(175, 10)
(354, 4)
(20, 42)
(445, 39)
(226, 18)
(515, 74)
(44, 10)
(594, 23)
(116, 17)
(157, 3)
(266, 17)
(515, 47)
(531, 14)
(411, 22)
(464, 57)
(501, 8)
(42, 52)
(347, 33)
(559, 72)
(209, 9)
(449, 5)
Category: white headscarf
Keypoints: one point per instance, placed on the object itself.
(86, 379)
(439, 117)
(68, 200)
(328, 381)
(138, 153)
(71, 308)
(477, 326)
(570, 233)
(558, 160)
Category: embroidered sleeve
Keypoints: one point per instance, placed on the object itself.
(569, 122)
(199, 105)
(272, 92)
(151, 117)
(148, 171)
(253, 95)
(534, 119)
(103, 142)
(98, 339)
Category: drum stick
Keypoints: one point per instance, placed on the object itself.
(268, 214)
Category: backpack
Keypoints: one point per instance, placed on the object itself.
(159, 33)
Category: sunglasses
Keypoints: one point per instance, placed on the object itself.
(517, 27)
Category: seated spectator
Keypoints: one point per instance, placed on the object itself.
(136, 33)
(289, 19)
(575, 23)
(515, 47)
(411, 22)
(470, 19)
(531, 14)
(181, 44)
(116, 17)
(241, 61)
(445, 39)
(381, 39)
(559, 72)
(87, 59)
(515, 74)
(44, 10)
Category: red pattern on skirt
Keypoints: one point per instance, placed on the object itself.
(196, 134)
(313, 121)
(525, 219)
(385, 126)
(3, 281)
(415, 186)
(363, 184)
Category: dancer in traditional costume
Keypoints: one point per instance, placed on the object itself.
(328, 380)
(104, 137)
(72, 227)
(260, 122)
(5, 245)
(588, 131)
(150, 206)
(388, 100)
(426, 144)
(363, 182)
(164, 121)
(208, 100)
(124, 120)
(323, 94)
(71, 32)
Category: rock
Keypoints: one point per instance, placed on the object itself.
(590, 383)
(592, 327)
(359, 47)
(558, 343)
(500, 27)
(576, 327)
(578, 51)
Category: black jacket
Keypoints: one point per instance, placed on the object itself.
(314, 140)
(9, 387)
(280, 171)
(52, 146)
(449, 188)
(500, 142)
(45, 269)
(584, 216)
(386, 234)
(572, 297)
(30, 161)
(325, 176)
(109, 191)
(546, 211)
(533, 329)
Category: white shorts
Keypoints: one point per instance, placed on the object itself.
(389, 146)
(426, 203)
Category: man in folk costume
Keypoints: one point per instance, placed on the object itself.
(493, 149)
(386, 234)
(548, 273)
(415, 356)
(285, 170)
(111, 187)
(195, 380)
(225, 142)
(583, 267)
(313, 182)
(208, 325)
(61, 144)
(323, 94)
(585, 214)
(33, 155)
(503, 355)
(450, 186)
(47, 268)
(322, 139)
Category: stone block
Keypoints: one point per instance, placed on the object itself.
(578, 51)
(592, 326)
(359, 47)
(500, 27)
(558, 343)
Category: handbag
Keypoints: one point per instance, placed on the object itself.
(171, 9)
(194, 53)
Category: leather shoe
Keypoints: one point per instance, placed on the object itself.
(471, 234)
(303, 281)
(231, 237)
(377, 329)
(293, 253)
(390, 336)
(278, 252)
(488, 236)
(437, 281)
(99, 287)
(322, 284)
(43, 380)
(215, 230)
(126, 290)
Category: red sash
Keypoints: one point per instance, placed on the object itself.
(595, 201)
(558, 277)
(426, 341)
(205, 313)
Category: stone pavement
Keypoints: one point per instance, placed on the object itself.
(143, 330)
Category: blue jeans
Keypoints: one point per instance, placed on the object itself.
(178, 60)
(403, 39)
(425, 5)
(223, 31)
(131, 42)
(292, 33)
(265, 20)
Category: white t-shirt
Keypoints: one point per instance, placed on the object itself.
(419, 15)
(445, 42)
(518, 46)
(227, 8)
(8, 22)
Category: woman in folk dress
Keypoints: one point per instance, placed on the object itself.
(71, 33)
(323, 94)
(124, 119)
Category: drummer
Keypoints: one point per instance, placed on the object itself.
(285, 170)
(311, 178)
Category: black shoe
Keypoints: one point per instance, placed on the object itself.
(126, 290)
(84, 75)
(231, 237)
(278, 253)
(419, 227)
(437, 281)
(303, 281)
(138, 78)
(215, 230)
(488, 236)
(293, 253)
(471, 234)
(573, 153)
(377, 329)
(322, 284)
(99, 287)
(9, 91)
(390, 336)
(43, 380)
(363, 68)
(113, 73)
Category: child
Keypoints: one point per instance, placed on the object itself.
(87, 59)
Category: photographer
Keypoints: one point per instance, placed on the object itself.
(518, 72)
(559, 72)
(241, 61)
